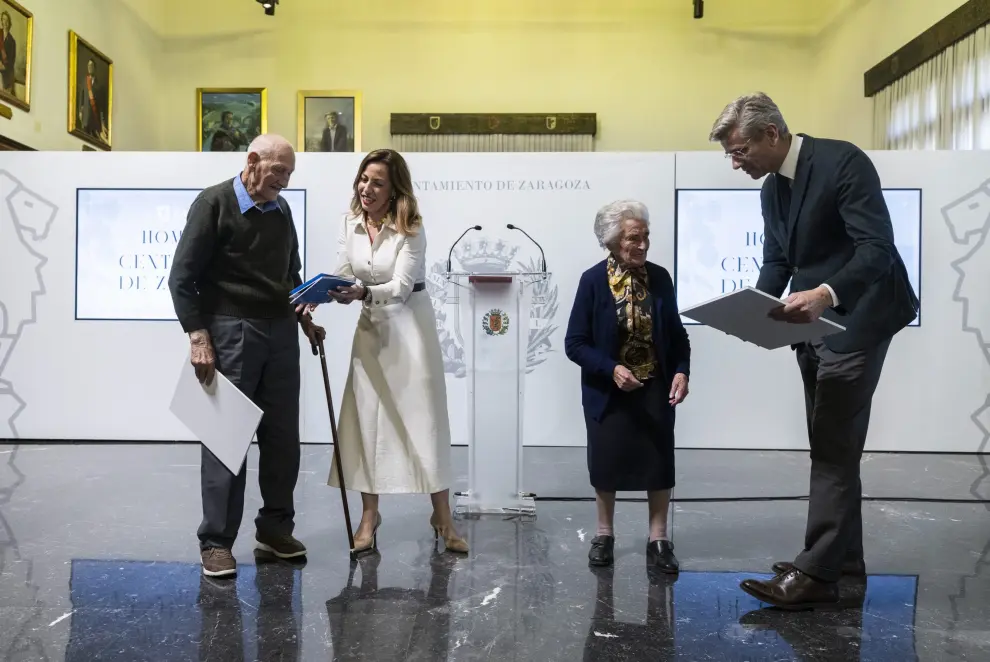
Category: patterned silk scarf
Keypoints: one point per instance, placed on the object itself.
(634, 307)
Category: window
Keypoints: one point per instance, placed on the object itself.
(943, 104)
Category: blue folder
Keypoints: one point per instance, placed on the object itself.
(317, 289)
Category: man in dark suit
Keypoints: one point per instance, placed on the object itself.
(334, 135)
(827, 231)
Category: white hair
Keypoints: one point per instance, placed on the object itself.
(267, 144)
(752, 114)
(608, 220)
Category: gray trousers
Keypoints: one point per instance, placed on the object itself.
(838, 390)
(261, 358)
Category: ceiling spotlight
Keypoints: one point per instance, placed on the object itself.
(699, 8)
(269, 6)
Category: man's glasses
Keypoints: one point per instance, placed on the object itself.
(739, 152)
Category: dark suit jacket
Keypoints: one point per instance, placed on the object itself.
(10, 58)
(592, 338)
(339, 142)
(837, 231)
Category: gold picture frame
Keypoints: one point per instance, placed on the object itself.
(231, 116)
(90, 93)
(317, 110)
(15, 83)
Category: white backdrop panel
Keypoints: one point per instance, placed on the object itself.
(111, 379)
(62, 378)
(554, 197)
(933, 392)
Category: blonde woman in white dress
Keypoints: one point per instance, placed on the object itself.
(394, 432)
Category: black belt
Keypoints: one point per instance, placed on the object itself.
(419, 286)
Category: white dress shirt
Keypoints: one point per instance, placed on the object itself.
(389, 266)
(788, 169)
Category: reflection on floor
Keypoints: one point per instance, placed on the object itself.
(142, 610)
(98, 561)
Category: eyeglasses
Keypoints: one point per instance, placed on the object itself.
(739, 152)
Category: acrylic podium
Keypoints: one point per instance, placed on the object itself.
(494, 311)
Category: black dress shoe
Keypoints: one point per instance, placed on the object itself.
(601, 553)
(849, 568)
(660, 556)
(793, 590)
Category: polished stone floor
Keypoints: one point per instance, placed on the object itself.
(98, 561)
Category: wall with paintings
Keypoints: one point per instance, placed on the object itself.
(655, 77)
(118, 32)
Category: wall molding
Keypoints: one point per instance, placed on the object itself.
(494, 123)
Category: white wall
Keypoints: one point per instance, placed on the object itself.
(113, 380)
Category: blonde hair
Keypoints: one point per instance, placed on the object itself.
(403, 210)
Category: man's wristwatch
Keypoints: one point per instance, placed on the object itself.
(367, 294)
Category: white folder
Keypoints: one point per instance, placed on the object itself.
(745, 314)
(219, 415)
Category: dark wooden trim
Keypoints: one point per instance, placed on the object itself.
(10, 145)
(494, 123)
(958, 25)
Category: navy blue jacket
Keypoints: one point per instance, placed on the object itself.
(837, 230)
(592, 339)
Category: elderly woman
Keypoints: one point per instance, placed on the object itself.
(626, 334)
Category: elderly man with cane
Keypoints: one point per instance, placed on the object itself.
(233, 269)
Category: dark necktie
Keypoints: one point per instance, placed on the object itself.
(784, 193)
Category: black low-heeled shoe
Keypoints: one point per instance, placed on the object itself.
(660, 556)
(601, 552)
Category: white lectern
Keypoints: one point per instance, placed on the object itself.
(494, 311)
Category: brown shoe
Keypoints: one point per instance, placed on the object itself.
(283, 545)
(793, 590)
(218, 562)
(849, 568)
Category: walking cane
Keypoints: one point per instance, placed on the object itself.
(318, 345)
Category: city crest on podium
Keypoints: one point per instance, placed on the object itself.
(495, 322)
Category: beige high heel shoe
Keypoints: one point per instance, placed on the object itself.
(451, 540)
(362, 545)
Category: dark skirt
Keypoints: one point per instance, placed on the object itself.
(632, 448)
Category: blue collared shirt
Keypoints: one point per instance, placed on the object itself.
(245, 201)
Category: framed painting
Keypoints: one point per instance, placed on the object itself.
(329, 121)
(90, 93)
(230, 118)
(11, 145)
(16, 37)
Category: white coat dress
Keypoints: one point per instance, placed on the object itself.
(394, 432)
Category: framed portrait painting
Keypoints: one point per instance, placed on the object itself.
(90, 93)
(230, 118)
(329, 121)
(16, 39)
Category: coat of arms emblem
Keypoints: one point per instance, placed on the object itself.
(495, 322)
